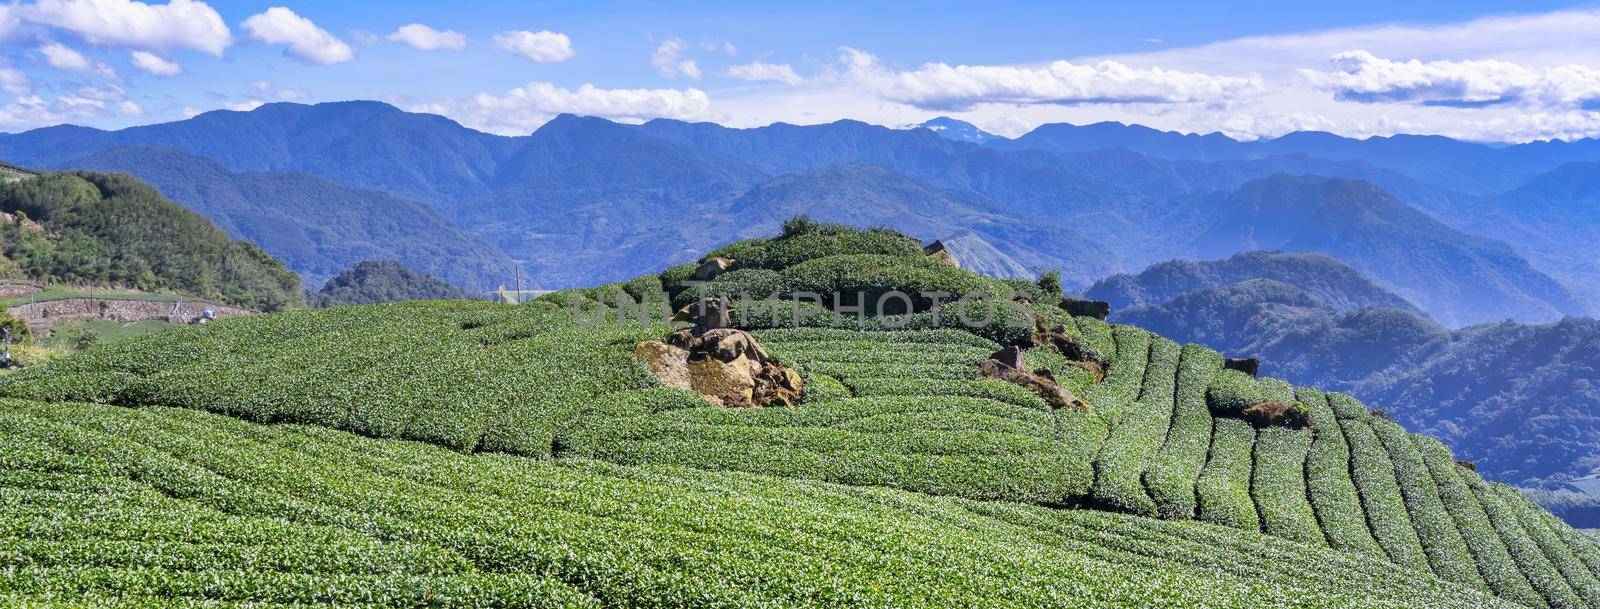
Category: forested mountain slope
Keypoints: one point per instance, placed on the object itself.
(375, 281)
(113, 230)
(901, 479)
(316, 227)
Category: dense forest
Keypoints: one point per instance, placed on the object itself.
(375, 281)
(113, 230)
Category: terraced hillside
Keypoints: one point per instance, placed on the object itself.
(519, 456)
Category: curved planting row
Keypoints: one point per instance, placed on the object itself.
(1279, 482)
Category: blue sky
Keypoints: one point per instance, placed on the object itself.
(1479, 70)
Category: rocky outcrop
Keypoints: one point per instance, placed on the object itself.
(1007, 365)
(711, 269)
(1247, 365)
(939, 250)
(1070, 347)
(1098, 309)
(709, 313)
(1292, 415)
(725, 365)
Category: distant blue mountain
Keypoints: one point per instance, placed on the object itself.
(1466, 166)
(584, 200)
(960, 131)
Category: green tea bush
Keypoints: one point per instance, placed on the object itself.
(1571, 568)
(1447, 552)
(743, 284)
(1328, 482)
(1173, 473)
(979, 388)
(156, 507)
(821, 388)
(870, 282)
(1224, 485)
(1138, 431)
(1374, 476)
(1232, 392)
(1494, 562)
(1530, 558)
(1279, 477)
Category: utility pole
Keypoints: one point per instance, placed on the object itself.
(519, 284)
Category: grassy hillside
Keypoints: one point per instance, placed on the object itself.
(574, 479)
(110, 229)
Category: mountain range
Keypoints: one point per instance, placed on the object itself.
(584, 200)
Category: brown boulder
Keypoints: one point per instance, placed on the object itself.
(1247, 365)
(709, 312)
(1007, 365)
(1070, 347)
(711, 269)
(1467, 464)
(939, 250)
(726, 366)
(1098, 309)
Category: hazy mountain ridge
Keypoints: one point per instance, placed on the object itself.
(585, 199)
(315, 226)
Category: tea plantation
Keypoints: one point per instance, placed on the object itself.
(478, 454)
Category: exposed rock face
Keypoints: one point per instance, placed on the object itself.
(709, 312)
(1007, 365)
(1074, 350)
(1098, 309)
(1278, 414)
(710, 269)
(726, 366)
(939, 250)
(1247, 365)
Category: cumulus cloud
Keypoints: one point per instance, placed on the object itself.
(764, 72)
(305, 41)
(88, 102)
(424, 38)
(543, 46)
(62, 57)
(155, 64)
(938, 86)
(669, 60)
(1360, 76)
(525, 108)
(178, 24)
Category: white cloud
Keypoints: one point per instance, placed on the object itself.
(670, 62)
(523, 109)
(8, 21)
(129, 108)
(305, 41)
(244, 106)
(543, 46)
(424, 38)
(62, 57)
(178, 24)
(1360, 76)
(156, 64)
(940, 86)
(15, 82)
(764, 72)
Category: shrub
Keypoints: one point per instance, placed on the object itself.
(1232, 392)
(1173, 473)
(1049, 283)
(1490, 555)
(1441, 540)
(1374, 476)
(1328, 483)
